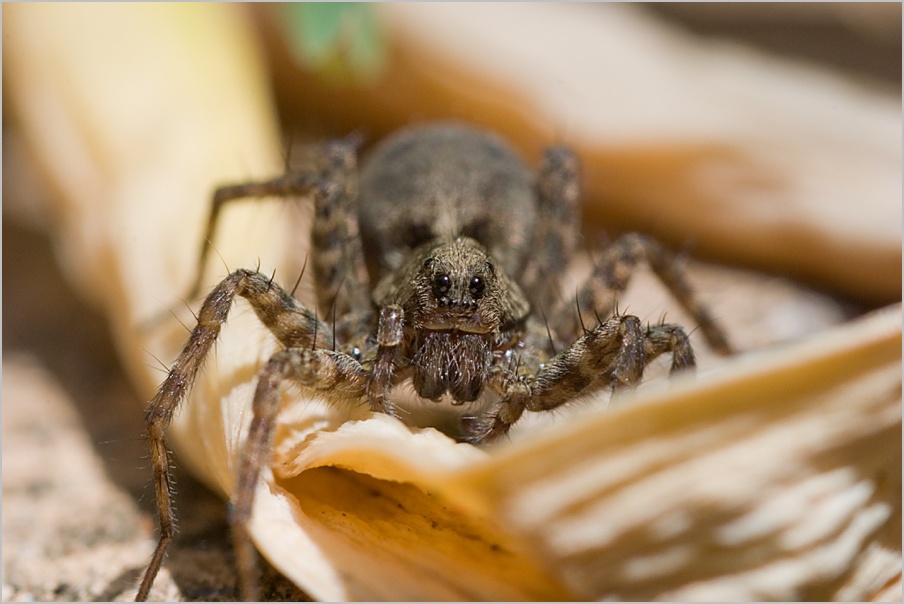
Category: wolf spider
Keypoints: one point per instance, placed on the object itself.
(441, 263)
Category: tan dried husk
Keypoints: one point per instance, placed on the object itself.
(771, 479)
(772, 476)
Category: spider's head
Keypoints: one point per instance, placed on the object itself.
(458, 287)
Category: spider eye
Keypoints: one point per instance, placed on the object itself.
(477, 286)
(441, 284)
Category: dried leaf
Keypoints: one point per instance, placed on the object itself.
(776, 478)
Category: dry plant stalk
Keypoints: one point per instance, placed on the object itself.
(775, 477)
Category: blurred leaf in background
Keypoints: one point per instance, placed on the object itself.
(341, 41)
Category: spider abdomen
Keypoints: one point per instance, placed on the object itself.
(442, 181)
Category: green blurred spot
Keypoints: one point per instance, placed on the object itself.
(341, 41)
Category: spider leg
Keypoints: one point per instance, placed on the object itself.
(330, 373)
(338, 256)
(389, 338)
(613, 354)
(287, 186)
(340, 272)
(611, 276)
(558, 226)
(289, 321)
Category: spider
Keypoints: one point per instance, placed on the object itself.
(440, 261)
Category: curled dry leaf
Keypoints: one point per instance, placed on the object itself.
(774, 476)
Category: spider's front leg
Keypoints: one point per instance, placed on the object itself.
(614, 354)
(383, 376)
(334, 375)
(293, 325)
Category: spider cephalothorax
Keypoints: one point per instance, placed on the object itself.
(459, 309)
(441, 263)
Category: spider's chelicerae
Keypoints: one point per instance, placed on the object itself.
(440, 261)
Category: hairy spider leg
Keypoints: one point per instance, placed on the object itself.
(338, 261)
(556, 237)
(613, 354)
(383, 376)
(336, 375)
(337, 253)
(340, 272)
(617, 264)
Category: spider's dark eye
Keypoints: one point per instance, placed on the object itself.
(477, 286)
(441, 284)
